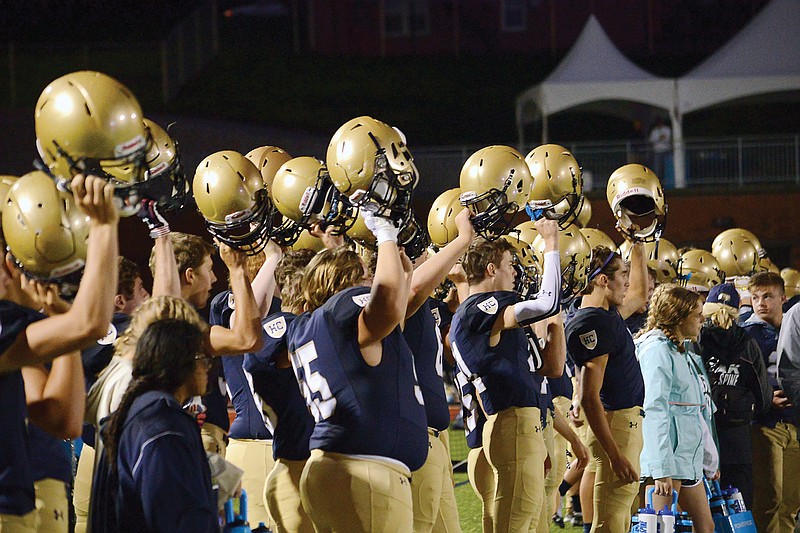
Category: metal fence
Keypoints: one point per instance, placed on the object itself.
(158, 67)
(728, 162)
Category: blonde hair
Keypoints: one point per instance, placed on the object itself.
(721, 315)
(669, 306)
(150, 311)
(329, 272)
(289, 277)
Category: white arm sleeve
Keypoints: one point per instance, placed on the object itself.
(547, 301)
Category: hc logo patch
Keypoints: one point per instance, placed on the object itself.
(589, 340)
(231, 304)
(361, 300)
(276, 328)
(489, 306)
(111, 334)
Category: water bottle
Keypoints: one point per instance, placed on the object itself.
(735, 501)
(635, 524)
(683, 524)
(666, 520)
(648, 520)
(717, 504)
(262, 528)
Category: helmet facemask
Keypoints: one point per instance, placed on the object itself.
(324, 204)
(247, 230)
(493, 213)
(413, 238)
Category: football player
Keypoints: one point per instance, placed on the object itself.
(29, 339)
(493, 352)
(275, 384)
(250, 440)
(357, 375)
(611, 389)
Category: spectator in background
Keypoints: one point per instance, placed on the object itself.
(661, 144)
(776, 495)
(739, 385)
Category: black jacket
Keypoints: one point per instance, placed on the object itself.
(739, 384)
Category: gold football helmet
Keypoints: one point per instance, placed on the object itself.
(791, 281)
(268, 159)
(747, 235)
(526, 263)
(360, 233)
(231, 196)
(662, 256)
(576, 257)
(88, 122)
(736, 254)
(699, 270)
(596, 237)
(495, 182)
(306, 241)
(527, 231)
(45, 231)
(166, 180)
(557, 189)
(413, 238)
(441, 219)
(765, 264)
(369, 162)
(302, 191)
(636, 198)
(585, 214)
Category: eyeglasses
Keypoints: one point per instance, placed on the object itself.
(206, 360)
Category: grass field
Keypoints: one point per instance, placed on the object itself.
(469, 506)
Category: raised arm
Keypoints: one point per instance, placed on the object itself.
(389, 295)
(166, 280)
(433, 271)
(264, 282)
(88, 318)
(636, 296)
(245, 333)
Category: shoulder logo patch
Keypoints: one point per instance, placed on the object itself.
(489, 306)
(362, 299)
(589, 340)
(111, 335)
(230, 301)
(276, 328)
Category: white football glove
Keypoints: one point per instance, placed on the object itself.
(383, 228)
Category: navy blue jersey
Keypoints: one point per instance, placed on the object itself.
(249, 422)
(163, 481)
(593, 332)
(16, 477)
(562, 385)
(424, 338)
(50, 459)
(277, 388)
(504, 375)
(441, 312)
(471, 412)
(97, 356)
(358, 409)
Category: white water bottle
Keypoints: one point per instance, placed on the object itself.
(648, 520)
(666, 520)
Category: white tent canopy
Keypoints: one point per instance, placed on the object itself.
(593, 73)
(762, 59)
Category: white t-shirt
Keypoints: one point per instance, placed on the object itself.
(106, 394)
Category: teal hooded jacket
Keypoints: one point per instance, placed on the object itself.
(675, 407)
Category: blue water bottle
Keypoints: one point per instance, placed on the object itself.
(648, 520)
(683, 524)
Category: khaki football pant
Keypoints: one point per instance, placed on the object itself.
(483, 484)
(254, 456)
(345, 494)
(559, 462)
(52, 507)
(432, 490)
(82, 487)
(552, 480)
(10, 523)
(514, 446)
(776, 491)
(282, 494)
(613, 498)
